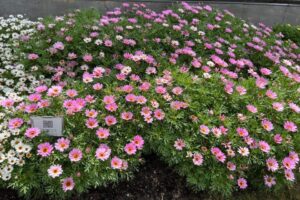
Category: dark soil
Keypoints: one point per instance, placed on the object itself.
(156, 181)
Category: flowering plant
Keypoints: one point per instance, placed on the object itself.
(221, 108)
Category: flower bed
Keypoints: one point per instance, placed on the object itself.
(215, 97)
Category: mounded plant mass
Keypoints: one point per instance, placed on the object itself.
(214, 96)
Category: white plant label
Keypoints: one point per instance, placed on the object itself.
(51, 125)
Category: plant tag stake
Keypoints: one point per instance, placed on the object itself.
(52, 126)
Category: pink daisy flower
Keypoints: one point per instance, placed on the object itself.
(159, 114)
(91, 113)
(130, 98)
(204, 129)
(141, 100)
(290, 126)
(242, 183)
(68, 184)
(62, 144)
(242, 132)
(272, 164)
(109, 99)
(179, 144)
(279, 107)
(197, 159)
(264, 146)
(116, 163)
(71, 93)
(15, 123)
(138, 141)
(88, 58)
(54, 91)
(267, 125)
(130, 148)
(41, 88)
(103, 152)
(112, 107)
(271, 94)
(55, 171)
(45, 149)
(102, 133)
(251, 108)
(75, 155)
(127, 116)
(7, 103)
(91, 123)
(269, 181)
(289, 175)
(32, 132)
(34, 97)
(294, 156)
(110, 120)
(231, 166)
(288, 163)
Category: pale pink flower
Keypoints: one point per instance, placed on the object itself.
(55, 171)
(41, 88)
(179, 144)
(32, 132)
(241, 90)
(102, 133)
(269, 181)
(278, 106)
(290, 126)
(7, 103)
(68, 184)
(294, 156)
(272, 164)
(197, 159)
(159, 114)
(138, 141)
(251, 108)
(116, 163)
(289, 175)
(112, 107)
(127, 116)
(277, 139)
(267, 125)
(34, 97)
(71, 93)
(288, 163)
(88, 58)
(242, 183)
(130, 148)
(242, 132)
(204, 129)
(110, 120)
(103, 152)
(130, 98)
(75, 155)
(264, 146)
(91, 123)
(91, 113)
(271, 94)
(261, 82)
(62, 144)
(140, 100)
(54, 91)
(231, 166)
(15, 123)
(45, 149)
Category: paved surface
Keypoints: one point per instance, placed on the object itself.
(270, 14)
